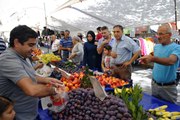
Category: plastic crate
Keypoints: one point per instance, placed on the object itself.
(109, 89)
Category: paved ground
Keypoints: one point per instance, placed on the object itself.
(142, 76)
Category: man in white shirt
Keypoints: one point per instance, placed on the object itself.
(55, 44)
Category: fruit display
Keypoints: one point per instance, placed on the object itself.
(73, 82)
(112, 81)
(162, 114)
(36, 52)
(82, 80)
(50, 57)
(84, 105)
(68, 66)
(119, 91)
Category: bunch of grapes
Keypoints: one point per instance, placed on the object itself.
(84, 105)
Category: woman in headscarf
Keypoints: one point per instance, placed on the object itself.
(91, 58)
(77, 51)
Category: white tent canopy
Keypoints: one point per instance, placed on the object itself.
(84, 15)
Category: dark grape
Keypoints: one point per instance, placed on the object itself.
(83, 105)
(107, 116)
(112, 118)
(49, 104)
(119, 115)
(127, 115)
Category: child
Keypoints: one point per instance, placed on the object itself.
(107, 57)
(6, 109)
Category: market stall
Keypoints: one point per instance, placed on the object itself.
(78, 84)
(148, 102)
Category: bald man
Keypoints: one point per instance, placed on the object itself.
(165, 58)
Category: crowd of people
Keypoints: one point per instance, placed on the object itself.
(20, 87)
(91, 53)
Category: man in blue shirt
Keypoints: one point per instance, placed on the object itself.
(165, 58)
(124, 51)
(66, 45)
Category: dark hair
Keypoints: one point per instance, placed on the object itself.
(4, 104)
(80, 36)
(108, 47)
(104, 28)
(62, 33)
(67, 31)
(22, 33)
(98, 28)
(119, 26)
(93, 36)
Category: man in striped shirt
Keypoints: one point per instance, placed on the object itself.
(66, 45)
(2, 45)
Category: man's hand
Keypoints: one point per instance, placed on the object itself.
(146, 59)
(69, 49)
(72, 56)
(125, 64)
(34, 58)
(38, 65)
(105, 42)
(60, 48)
(106, 69)
(113, 55)
(95, 43)
(54, 82)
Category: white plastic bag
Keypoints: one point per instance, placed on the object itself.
(45, 71)
(56, 102)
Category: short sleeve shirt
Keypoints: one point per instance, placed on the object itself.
(164, 73)
(124, 50)
(66, 43)
(13, 68)
(55, 45)
(2, 45)
(111, 42)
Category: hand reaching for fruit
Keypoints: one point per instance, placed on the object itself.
(54, 82)
(38, 65)
(34, 58)
(59, 96)
(125, 64)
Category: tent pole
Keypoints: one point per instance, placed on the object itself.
(175, 10)
(46, 27)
